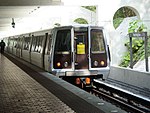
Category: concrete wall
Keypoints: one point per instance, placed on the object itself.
(106, 11)
(129, 76)
(73, 12)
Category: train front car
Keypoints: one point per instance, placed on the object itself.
(80, 54)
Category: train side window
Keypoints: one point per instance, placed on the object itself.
(63, 41)
(15, 43)
(33, 43)
(26, 43)
(10, 42)
(37, 43)
(19, 43)
(40, 43)
(17, 40)
(97, 41)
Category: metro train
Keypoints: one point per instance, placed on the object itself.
(80, 53)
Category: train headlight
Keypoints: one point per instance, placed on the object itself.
(66, 64)
(95, 63)
(58, 64)
(102, 63)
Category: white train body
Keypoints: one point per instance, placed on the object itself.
(67, 51)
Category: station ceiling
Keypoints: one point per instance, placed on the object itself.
(17, 9)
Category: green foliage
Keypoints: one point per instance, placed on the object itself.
(136, 26)
(117, 22)
(137, 49)
(124, 12)
(120, 14)
(126, 60)
(137, 44)
(81, 21)
(91, 8)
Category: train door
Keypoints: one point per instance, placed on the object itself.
(98, 55)
(81, 50)
(62, 58)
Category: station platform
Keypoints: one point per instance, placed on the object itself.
(24, 90)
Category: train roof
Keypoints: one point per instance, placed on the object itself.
(78, 26)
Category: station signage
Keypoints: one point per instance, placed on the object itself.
(136, 34)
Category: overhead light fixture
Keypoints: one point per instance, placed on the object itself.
(13, 23)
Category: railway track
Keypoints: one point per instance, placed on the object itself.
(135, 89)
(124, 99)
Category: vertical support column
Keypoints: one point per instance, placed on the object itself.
(146, 54)
(131, 54)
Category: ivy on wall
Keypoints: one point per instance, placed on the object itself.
(91, 8)
(120, 14)
(82, 20)
(137, 44)
(136, 26)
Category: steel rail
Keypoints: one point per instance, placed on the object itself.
(118, 102)
(124, 99)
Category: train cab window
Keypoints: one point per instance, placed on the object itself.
(81, 38)
(63, 41)
(80, 43)
(97, 41)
